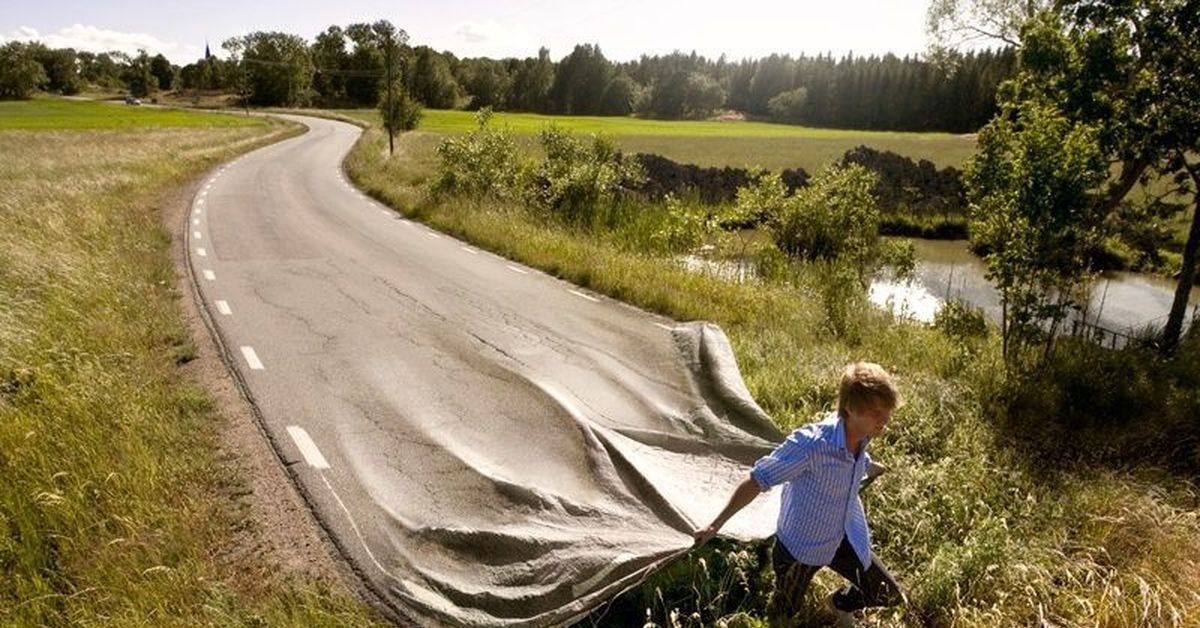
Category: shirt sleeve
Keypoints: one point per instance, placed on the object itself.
(792, 458)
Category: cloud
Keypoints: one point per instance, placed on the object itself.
(492, 39)
(92, 39)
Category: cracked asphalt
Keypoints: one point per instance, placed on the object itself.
(484, 446)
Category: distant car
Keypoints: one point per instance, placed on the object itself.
(130, 100)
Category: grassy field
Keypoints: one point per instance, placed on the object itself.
(54, 114)
(712, 143)
(115, 507)
(983, 524)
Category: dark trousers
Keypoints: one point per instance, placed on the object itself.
(873, 586)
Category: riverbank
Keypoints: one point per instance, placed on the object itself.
(981, 530)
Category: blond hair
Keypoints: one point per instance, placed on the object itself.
(866, 382)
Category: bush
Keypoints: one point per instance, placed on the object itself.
(961, 320)
(484, 163)
(835, 217)
(580, 177)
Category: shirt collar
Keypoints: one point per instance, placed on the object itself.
(839, 436)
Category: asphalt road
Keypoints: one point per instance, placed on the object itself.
(486, 444)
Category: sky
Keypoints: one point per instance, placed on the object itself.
(624, 29)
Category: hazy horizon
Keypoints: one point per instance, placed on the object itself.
(473, 28)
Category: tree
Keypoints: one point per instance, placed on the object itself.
(1028, 188)
(1131, 69)
(136, 75)
(276, 66)
(789, 106)
(397, 115)
(163, 72)
(580, 82)
(531, 83)
(401, 113)
(433, 82)
(20, 72)
(62, 71)
(952, 24)
(332, 61)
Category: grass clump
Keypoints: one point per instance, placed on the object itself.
(980, 528)
(116, 508)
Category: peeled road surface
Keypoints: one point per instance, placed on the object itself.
(486, 445)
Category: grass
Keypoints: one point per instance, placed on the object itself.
(712, 143)
(53, 114)
(979, 529)
(116, 507)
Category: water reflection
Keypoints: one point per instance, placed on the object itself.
(946, 269)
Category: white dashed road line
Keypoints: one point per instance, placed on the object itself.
(223, 308)
(666, 327)
(195, 221)
(197, 235)
(210, 275)
(307, 447)
(515, 269)
(469, 250)
(252, 358)
(433, 235)
(201, 252)
(584, 296)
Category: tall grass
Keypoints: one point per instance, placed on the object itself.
(115, 507)
(980, 529)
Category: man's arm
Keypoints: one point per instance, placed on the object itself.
(742, 495)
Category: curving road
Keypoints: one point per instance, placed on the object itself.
(486, 445)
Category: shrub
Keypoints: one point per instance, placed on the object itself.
(835, 217)
(581, 176)
(961, 320)
(483, 163)
(789, 106)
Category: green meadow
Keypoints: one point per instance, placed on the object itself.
(46, 114)
(715, 143)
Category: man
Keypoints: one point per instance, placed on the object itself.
(821, 520)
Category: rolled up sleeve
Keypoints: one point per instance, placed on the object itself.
(792, 458)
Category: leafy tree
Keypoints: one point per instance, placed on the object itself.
(102, 69)
(401, 113)
(530, 88)
(163, 71)
(365, 66)
(486, 81)
(332, 62)
(788, 106)
(581, 176)
(62, 72)
(621, 97)
(398, 113)
(277, 67)
(581, 81)
(1131, 70)
(1028, 187)
(20, 72)
(137, 77)
(433, 82)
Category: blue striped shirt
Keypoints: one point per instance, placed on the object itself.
(820, 502)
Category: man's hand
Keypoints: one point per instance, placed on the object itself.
(704, 535)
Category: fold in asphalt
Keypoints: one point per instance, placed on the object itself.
(487, 445)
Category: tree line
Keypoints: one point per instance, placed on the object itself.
(344, 67)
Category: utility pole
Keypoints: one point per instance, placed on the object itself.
(391, 108)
